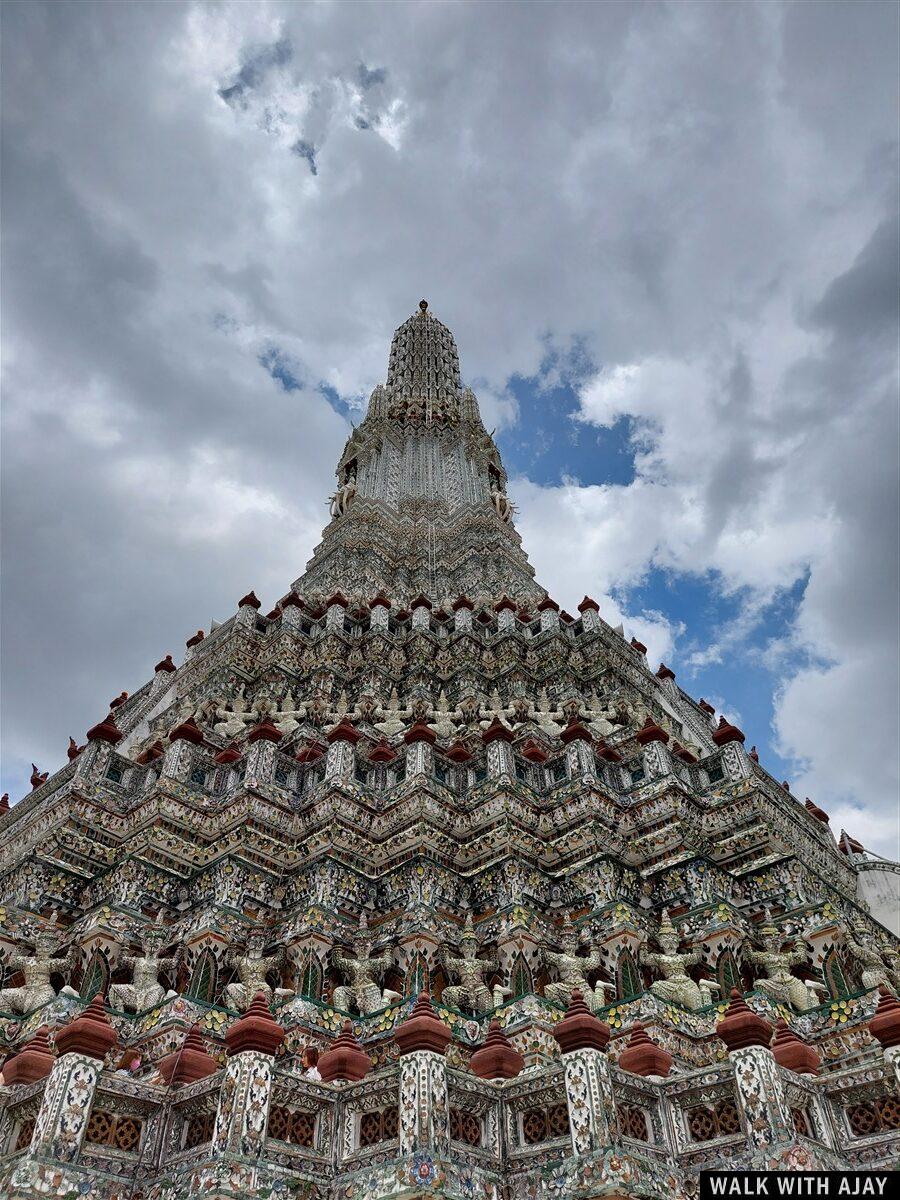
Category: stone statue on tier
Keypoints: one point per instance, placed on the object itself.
(37, 990)
(145, 991)
(471, 991)
(500, 501)
(364, 970)
(778, 983)
(864, 948)
(343, 497)
(573, 970)
(252, 968)
(676, 986)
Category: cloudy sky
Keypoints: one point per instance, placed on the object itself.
(665, 236)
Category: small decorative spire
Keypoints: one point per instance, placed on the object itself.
(459, 752)
(4, 802)
(741, 1027)
(151, 754)
(382, 752)
(651, 732)
(90, 1034)
(576, 732)
(580, 1029)
(166, 665)
(34, 1061)
(607, 752)
(642, 1056)
(344, 731)
(423, 306)
(251, 600)
(423, 1029)
(346, 1061)
(420, 732)
(119, 700)
(726, 733)
(497, 732)
(187, 731)
(105, 731)
(885, 1025)
(190, 1063)
(230, 754)
(74, 750)
(195, 640)
(792, 1052)
(255, 1030)
(496, 1059)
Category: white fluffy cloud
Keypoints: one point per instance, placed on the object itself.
(695, 197)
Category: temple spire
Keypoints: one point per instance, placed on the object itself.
(420, 505)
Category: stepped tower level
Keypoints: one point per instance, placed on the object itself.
(549, 928)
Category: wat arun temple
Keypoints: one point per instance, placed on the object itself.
(412, 884)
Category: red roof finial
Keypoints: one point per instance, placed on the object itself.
(792, 1052)
(423, 1029)
(90, 1034)
(741, 1027)
(255, 1030)
(34, 1061)
(190, 1063)
(642, 1056)
(496, 1059)
(580, 1029)
(346, 1060)
(885, 1025)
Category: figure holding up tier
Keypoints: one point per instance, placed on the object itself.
(778, 983)
(472, 989)
(364, 970)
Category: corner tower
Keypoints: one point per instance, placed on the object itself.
(421, 504)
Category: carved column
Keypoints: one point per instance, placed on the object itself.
(589, 1095)
(242, 1116)
(583, 1040)
(419, 745)
(462, 610)
(549, 611)
(62, 1120)
(590, 615)
(761, 1097)
(243, 1111)
(380, 612)
(66, 1104)
(759, 1088)
(424, 1109)
(334, 613)
(500, 760)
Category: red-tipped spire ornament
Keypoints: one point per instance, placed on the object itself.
(105, 731)
(346, 1061)
(255, 1030)
(34, 1061)
(740, 1027)
(496, 1059)
(885, 1025)
(651, 732)
(190, 1062)
(90, 1034)
(423, 1029)
(580, 1029)
(792, 1052)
